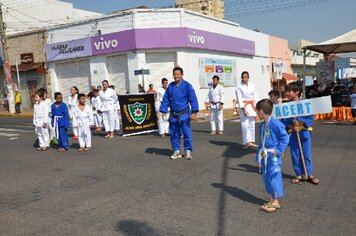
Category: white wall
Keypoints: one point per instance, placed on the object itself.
(98, 70)
(188, 60)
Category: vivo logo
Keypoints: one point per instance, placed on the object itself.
(106, 44)
(196, 39)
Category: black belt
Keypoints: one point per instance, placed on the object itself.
(186, 111)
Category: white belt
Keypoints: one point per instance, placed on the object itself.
(263, 154)
(56, 125)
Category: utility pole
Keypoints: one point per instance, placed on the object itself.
(7, 68)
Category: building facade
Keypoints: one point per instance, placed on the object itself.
(213, 8)
(157, 40)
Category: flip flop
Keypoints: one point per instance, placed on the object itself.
(273, 208)
(87, 149)
(81, 149)
(297, 180)
(313, 180)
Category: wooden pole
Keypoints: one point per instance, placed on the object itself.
(301, 150)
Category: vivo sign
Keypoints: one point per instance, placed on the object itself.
(196, 39)
(105, 44)
(154, 38)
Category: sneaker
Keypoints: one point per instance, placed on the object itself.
(176, 155)
(188, 155)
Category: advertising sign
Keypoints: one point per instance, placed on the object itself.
(225, 69)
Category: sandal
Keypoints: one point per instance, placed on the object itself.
(313, 180)
(38, 149)
(61, 150)
(220, 132)
(297, 180)
(270, 208)
(44, 149)
(87, 149)
(81, 149)
(213, 132)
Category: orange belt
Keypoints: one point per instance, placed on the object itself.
(249, 102)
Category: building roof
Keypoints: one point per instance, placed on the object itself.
(341, 44)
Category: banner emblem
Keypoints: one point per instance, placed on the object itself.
(138, 112)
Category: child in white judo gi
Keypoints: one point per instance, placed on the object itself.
(40, 121)
(83, 120)
(215, 100)
(274, 141)
(51, 130)
(96, 106)
(163, 125)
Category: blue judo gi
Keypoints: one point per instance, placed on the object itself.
(181, 100)
(275, 137)
(305, 139)
(60, 121)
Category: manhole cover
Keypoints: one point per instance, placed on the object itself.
(78, 182)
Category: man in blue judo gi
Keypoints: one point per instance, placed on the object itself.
(274, 141)
(60, 121)
(304, 126)
(181, 99)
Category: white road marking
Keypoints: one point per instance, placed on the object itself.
(16, 130)
(8, 135)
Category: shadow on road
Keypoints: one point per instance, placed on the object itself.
(201, 131)
(133, 227)
(159, 151)
(254, 169)
(239, 193)
(233, 150)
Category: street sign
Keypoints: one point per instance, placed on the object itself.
(303, 108)
(142, 72)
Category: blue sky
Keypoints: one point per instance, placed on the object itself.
(317, 22)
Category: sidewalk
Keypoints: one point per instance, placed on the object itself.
(25, 113)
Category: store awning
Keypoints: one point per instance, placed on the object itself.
(289, 77)
(342, 44)
(27, 67)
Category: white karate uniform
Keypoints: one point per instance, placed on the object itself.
(163, 125)
(215, 98)
(83, 120)
(246, 93)
(40, 117)
(108, 98)
(72, 103)
(51, 130)
(96, 106)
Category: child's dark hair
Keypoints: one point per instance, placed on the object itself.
(245, 72)
(105, 81)
(112, 87)
(274, 93)
(216, 77)
(164, 80)
(178, 69)
(81, 95)
(56, 94)
(76, 89)
(43, 90)
(40, 93)
(295, 87)
(265, 105)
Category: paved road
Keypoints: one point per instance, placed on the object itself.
(128, 186)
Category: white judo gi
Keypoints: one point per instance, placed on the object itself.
(163, 125)
(215, 98)
(96, 106)
(83, 119)
(116, 112)
(108, 98)
(40, 117)
(72, 103)
(247, 98)
(51, 130)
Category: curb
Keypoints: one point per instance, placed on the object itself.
(16, 115)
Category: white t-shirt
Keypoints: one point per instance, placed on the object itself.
(353, 100)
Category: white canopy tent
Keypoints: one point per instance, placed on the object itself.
(341, 44)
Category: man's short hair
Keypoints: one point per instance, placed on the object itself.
(273, 93)
(56, 94)
(216, 77)
(178, 69)
(295, 87)
(265, 105)
(164, 80)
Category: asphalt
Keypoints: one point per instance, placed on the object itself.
(128, 186)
